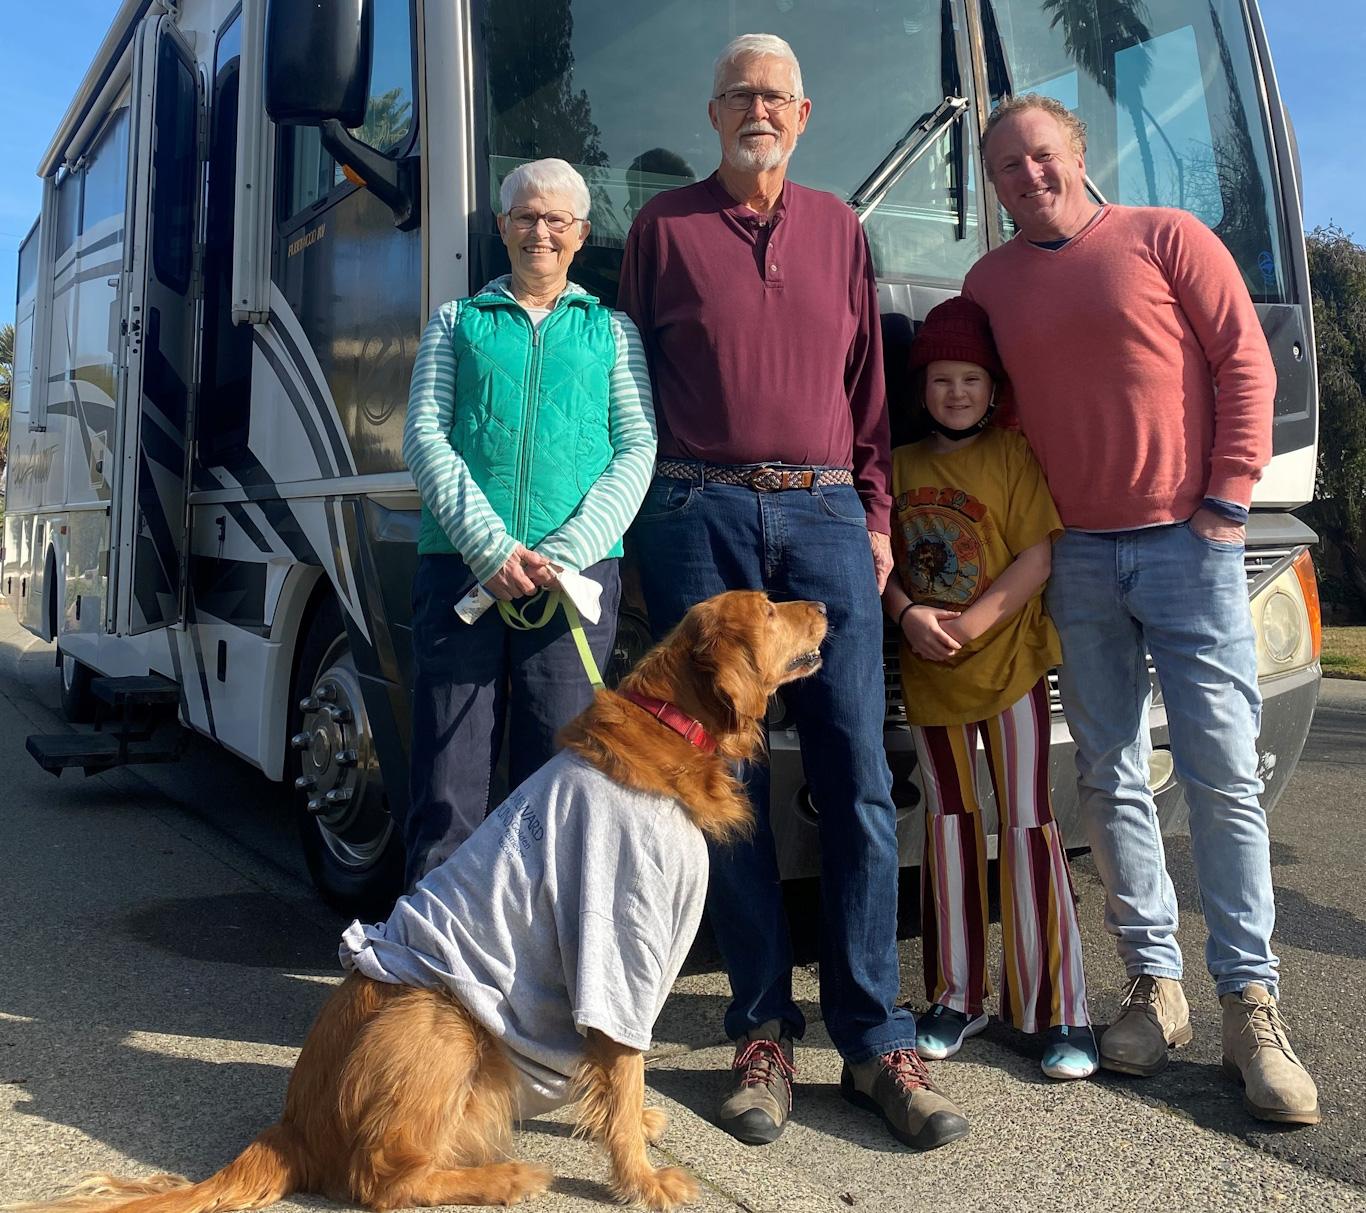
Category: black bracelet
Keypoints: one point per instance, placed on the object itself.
(902, 616)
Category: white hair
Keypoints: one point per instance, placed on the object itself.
(748, 45)
(549, 179)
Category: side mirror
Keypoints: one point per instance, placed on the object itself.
(317, 62)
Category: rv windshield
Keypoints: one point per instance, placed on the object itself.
(621, 92)
(1170, 99)
(1166, 87)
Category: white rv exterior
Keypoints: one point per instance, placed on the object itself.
(216, 325)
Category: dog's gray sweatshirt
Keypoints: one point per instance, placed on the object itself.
(571, 907)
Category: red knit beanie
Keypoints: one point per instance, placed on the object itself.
(956, 330)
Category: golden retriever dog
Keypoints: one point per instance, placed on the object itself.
(401, 1096)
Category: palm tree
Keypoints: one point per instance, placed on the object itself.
(6, 359)
(1093, 32)
(388, 118)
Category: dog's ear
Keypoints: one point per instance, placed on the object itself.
(724, 655)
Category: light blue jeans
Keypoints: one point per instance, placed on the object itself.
(1185, 598)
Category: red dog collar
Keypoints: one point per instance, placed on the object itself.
(675, 718)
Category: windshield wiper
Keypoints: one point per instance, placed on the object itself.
(904, 153)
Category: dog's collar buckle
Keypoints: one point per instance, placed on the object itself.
(671, 715)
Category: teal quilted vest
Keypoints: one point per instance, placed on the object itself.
(531, 409)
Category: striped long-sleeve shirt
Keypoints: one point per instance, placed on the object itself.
(460, 507)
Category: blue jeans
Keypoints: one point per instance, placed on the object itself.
(1186, 599)
(697, 540)
(469, 681)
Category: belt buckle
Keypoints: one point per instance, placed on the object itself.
(766, 480)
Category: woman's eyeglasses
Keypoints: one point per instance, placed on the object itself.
(524, 219)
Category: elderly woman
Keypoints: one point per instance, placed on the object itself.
(531, 436)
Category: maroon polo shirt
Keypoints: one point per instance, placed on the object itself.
(762, 333)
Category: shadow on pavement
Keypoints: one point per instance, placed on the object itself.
(165, 1112)
(236, 929)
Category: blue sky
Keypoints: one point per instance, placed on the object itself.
(46, 47)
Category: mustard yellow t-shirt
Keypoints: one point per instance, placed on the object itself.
(959, 519)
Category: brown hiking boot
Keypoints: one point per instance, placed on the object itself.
(1257, 1051)
(1153, 1017)
(898, 1087)
(760, 1097)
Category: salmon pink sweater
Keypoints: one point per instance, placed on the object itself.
(1138, 365)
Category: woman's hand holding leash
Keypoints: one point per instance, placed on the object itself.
(523, 573)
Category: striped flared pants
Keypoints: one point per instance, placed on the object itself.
(1042, 981)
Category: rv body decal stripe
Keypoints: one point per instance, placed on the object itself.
(78, 411)
(324, 406)
(192, 626)
(341, 554)
(173, 644)
(382, 641)
(231, 590)
(255, 484)
(95, 271)
(248, 526)
(372, 484)
(99, 245)
(292, 391)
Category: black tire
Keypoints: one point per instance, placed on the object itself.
(353, 848)
(73, 677)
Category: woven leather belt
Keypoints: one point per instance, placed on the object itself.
(760, 479)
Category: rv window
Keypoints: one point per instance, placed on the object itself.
(223, 417)
(28, 264)
(68, 211)
(177, 159)
(106, 174)
(311, 173)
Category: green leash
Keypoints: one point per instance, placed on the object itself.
(516, 617)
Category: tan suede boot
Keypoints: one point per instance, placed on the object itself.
(1257, 1051)
(759, 1100)
(1153, 1017)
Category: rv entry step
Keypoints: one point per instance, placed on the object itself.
(94, 752)
(149, 690)
(141, 714)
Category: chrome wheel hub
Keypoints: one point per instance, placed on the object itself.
(338, 772)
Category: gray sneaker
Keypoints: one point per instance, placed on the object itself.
(759, 1100)
(898, 1087)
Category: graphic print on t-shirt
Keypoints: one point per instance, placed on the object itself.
(523, 825)
(943, 542)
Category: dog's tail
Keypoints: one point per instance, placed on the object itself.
(266, 1171)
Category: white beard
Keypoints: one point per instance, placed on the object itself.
(757, 159)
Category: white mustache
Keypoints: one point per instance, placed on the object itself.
(757, 128)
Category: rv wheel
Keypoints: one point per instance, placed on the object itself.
(351, 844)
(78, 703)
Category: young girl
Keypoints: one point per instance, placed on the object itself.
(973, 529)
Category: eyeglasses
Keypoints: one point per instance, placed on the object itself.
(740, 99)
(524, 219)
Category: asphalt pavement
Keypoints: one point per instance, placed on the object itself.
(163, 955)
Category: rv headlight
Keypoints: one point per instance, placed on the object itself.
(1282, 629)
(1284, 616)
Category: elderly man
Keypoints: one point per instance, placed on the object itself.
(758, 307)
(1145, 387)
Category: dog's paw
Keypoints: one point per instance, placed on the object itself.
(653, 1121)
(521, 1181)
(663, 1189)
